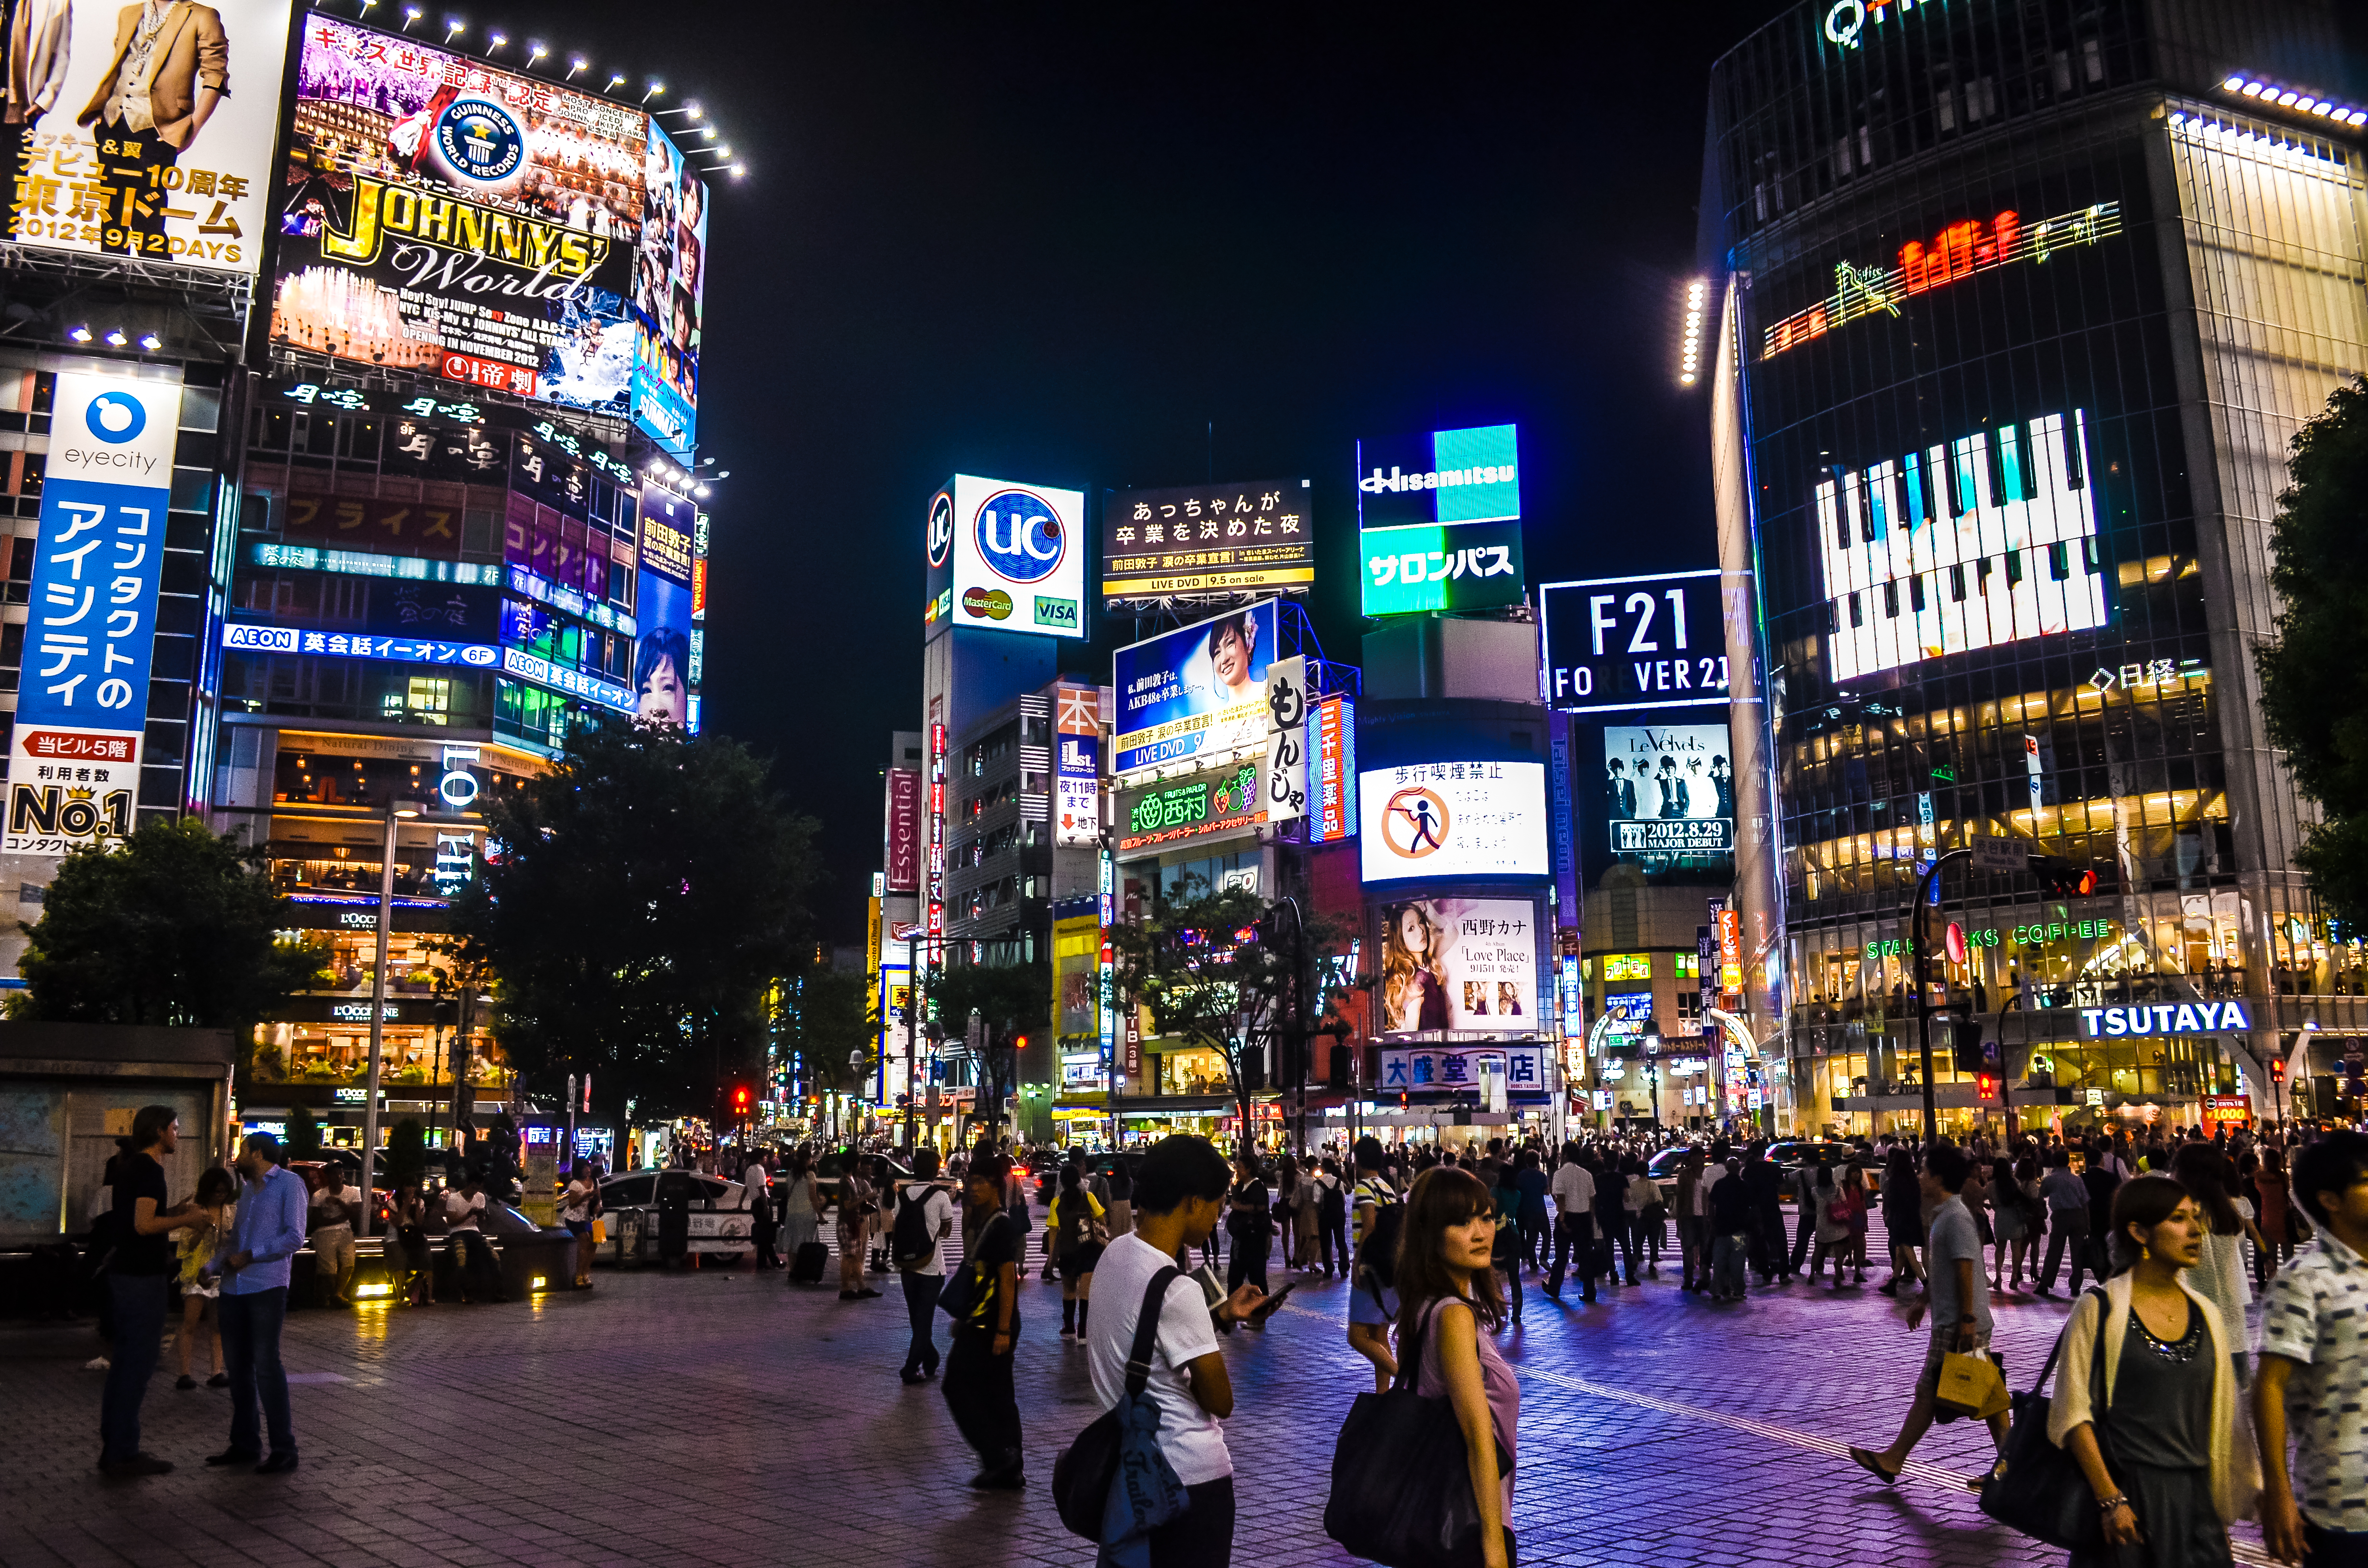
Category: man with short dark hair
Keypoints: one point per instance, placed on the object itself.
(979, 1391)
(2314, 1368)
(136, 1276)
(1178, 1196)
(1960, 1300)
(924, 1274)
(266, 1231)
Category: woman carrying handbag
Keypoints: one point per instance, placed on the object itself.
(2144, 1359)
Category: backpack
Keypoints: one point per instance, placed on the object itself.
(912, 1242)
(1377, 1255)
(1076, 1221)
(1335, 1205)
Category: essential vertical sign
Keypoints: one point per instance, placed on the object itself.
(83, 703)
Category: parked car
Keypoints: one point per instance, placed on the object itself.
(829, 1167)
(720, 1224)
(1794, 1154)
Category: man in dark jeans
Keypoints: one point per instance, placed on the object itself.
(136, 1273)
(926, 1275)
(2067, 1220)
(979, 1392)
(265, 1233)
(1765, 1183)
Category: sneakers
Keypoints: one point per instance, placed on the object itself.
(97, 1364)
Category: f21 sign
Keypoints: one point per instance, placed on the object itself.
(1628, 643)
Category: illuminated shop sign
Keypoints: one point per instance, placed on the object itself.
(1208, 539)
(1846, 19)
(1439, 516)
(2164, 1018)
(2153, 672)
(1336, 769)
(1619, 643)
(363, 563)
(1987, 539)
(1223, 803)
(1957, 251)
(1462, 1067)
(568, 682)
(561, 598)
(251, 639)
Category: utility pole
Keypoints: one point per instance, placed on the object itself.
(1924, 994)
(395, 810)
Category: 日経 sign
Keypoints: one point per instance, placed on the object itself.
(82, 704)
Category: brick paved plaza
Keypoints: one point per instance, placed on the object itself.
(720, 1417)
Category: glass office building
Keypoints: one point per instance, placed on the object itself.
(2022, 302)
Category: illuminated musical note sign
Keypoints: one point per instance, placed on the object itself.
(1957, 251)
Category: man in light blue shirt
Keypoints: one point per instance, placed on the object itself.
(265, 1234)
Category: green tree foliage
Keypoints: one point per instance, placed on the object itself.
(1225, 971)
(2315, 676)
(647, 892)
(172, 925)
(1011, 1000)
(304, 1141)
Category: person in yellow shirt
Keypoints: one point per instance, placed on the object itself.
(1076, 1231)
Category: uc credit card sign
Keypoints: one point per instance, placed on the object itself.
(1006, 556)
(82, 703)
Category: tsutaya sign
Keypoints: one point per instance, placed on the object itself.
(2164, 1018)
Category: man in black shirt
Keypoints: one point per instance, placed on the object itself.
(979, 1391)
(137, 1271)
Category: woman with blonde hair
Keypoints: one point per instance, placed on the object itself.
(1414, 986)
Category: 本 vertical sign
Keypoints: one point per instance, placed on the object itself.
(90, 632)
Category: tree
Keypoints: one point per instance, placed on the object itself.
(1228, 972)
(303, 1134)
(2314, 675)
(647, 892)
(407, 1153)
(169, 925)
(1010, 1000)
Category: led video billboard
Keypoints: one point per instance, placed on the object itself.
(1208, 539)
(1438, 520)
(1460, 964)
(1197, 694)
(1454, 819)
(1669, 790)
(93, 182)
(443, 215)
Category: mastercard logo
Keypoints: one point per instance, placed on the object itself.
(986, 604)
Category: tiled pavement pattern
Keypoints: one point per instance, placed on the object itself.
(719, 1418)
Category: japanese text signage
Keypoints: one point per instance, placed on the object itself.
(443, 215)
(1195, 695)
(1076, 768)
(1222, 804)
(82, 703)
(1669, 790)
(172, 191)
(1454, 819)
(1208, 539)
(1286, 742)
(1006, 556)
(1333, 786)
(1621, 642)
(1438, 520)
(1459, 1068)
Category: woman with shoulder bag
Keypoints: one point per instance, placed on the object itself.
(1829, 1203)
(1447, 1293)
(2145, 1360)
(1249, 1225)
(1074, 1232)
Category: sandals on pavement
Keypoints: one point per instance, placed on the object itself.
(1867, 1462)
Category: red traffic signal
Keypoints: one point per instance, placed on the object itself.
(740, 1099)
(1986, 1086)
(2277, 1069)
(1401, 1099)
(2062, 879)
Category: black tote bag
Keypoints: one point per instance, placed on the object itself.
(2042, 1491)
(1401, 1481)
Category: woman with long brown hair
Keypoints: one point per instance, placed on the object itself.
(1414, 985)
(1447, 1294)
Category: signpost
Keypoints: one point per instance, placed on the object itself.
(1993, 852)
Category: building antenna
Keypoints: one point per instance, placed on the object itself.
(1212, 451)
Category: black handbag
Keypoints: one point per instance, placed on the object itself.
(1084, 1471)
(966, 1286)
(2041, 1489)
(1402, 1480)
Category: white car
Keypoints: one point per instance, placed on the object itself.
(720, 1224)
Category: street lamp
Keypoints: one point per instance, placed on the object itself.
(1652, 1042)
(395, 811)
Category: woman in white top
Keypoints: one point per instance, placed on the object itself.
(2219, 1276)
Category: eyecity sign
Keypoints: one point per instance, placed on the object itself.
(2164, 1018)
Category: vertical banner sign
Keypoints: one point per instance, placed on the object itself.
(1565, 859)
(1730, 953)
(937, 827)
(1076, 768)
(2031, 766)
(1336, 769)
(83, 700)
(904, 867)
(1286, 743)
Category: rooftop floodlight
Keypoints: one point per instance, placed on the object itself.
(150, 342)
(616, 80)
(499, 40)
(656, 87)
(576, 65)
(453, 27)
(79, 334)
(410, 14)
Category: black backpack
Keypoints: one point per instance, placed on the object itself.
(1377, 1255)
(912, 1242)
(1333, 1208)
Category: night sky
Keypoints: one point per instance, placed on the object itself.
(1054, 245)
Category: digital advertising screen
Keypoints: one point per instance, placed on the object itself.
(1438, 520)
(665, 672)
(1982, 541)
(1202, 538)
(1669, 790)
(1467, 964)
(669, 285)
(175, 191)
(1005, 557)
(1634, 643)
(1454, 819)
(443, 215)
(1196, 693)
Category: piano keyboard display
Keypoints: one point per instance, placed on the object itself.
(1988, 539)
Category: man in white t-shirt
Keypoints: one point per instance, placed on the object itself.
(756, 1192)
(924, 1272)
(1574, 1200)
(1179, 1195)
(480, 1275)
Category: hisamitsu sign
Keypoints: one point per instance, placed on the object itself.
(2164, 1018)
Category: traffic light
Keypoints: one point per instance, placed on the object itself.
(2062, 879)
(740, 1100)
(1401, 1099)
(2277, 1069)
(1986, 1086)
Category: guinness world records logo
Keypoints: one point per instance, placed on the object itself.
(480, 140)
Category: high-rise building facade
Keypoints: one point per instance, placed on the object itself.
(2022, 304)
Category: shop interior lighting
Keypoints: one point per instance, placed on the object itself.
(1689, 358)
(2274, 96)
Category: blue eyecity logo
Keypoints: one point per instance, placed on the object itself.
(116, 417)
(1019, 535)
